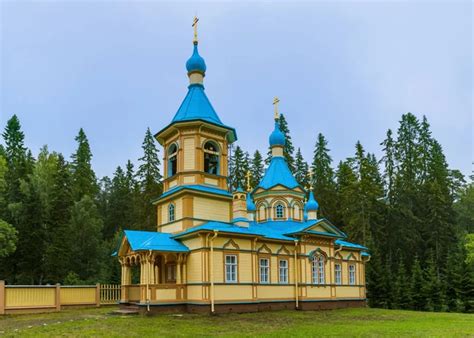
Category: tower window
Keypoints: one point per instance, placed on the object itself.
(211, 158)
(279, 211)
(171, 212)
(172, 160)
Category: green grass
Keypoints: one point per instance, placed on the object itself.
(346, 322)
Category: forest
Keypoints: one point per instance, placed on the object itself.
(60, 223)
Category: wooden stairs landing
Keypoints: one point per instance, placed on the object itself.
(126, 310)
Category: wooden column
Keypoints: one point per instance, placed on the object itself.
(178, 270)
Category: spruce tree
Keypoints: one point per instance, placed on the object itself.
(417, 287)
(433, 288)
(149, 179)
(83, 177)
(238, 169)
(401, 289)
(256, 169)
(301, 169)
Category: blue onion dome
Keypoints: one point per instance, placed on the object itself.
(250, 204)
(311, 204)
(277, 138)
(196, 63)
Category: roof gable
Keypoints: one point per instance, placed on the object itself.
(276, 174)
(147, 240)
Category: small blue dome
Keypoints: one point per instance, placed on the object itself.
(277, 138)
(250, 203)
(311, 205)
(196, 62)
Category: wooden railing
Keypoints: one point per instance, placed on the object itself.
(155, 292)
(40, 298)
(110, 293)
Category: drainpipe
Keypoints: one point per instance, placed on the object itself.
(296, 273)
(147, 282)
(211, 266)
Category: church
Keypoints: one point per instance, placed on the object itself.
(217, 250)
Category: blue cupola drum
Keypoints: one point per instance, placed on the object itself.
(311, 205)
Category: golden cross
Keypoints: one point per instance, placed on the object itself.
(275, 105)
(195, 25)
(248, 175)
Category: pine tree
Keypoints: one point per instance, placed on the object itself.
(389, 162)
(433, 288)
(57, 255)
(238, 169)
(86, 228)
(401, 289)
(301, 169)
(417, 287)
(256, 168)
(375, 281)
(83, 177)
(149, 178)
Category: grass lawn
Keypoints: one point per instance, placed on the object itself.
(346, 322)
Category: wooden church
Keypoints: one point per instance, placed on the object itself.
(216, 250)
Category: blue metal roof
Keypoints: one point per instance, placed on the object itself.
(151, 240)
(350, 245)
(197, 107)
(196, 187)
(278, 173)
(280, 230)
(250, 204)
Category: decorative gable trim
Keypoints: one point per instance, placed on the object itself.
(231, 242)
(264, 247)
(283, 250)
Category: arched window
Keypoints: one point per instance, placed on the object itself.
(171, 212)
(317, 269)
(279, 211)
(172, 160)
(211, 158)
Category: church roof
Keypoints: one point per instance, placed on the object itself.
(350, 245)
(152, 240)
(278, 173)
(280, 230)
(195, 187)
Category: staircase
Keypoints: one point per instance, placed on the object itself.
(127, 310)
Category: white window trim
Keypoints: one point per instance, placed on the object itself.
(318, 270)
(352, 274)
(233, 269)
(283, 269)
(338, 274)
(264, 270)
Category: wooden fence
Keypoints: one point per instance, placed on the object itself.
(41, 298)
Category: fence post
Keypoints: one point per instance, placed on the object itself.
(58, 297)
(97, 294)
(2, 297)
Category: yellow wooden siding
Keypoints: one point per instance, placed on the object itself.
(173, 227)
(347, 292)
(233, 292)
(318, 291)
(194, 292)
(245, 267)
(210, 181)
(30, 297)
(165, 294)
(205, 208)
(189, 153)
(276, 292)
(78, 295)
(189, 179)
(194, 267)
(134, 293)
(173, 183)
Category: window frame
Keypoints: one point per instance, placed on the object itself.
(279, 207)
(338, 274)
(318, 270)
(216, 153)
(171, 272)
(285, 269)
(171, 216)
(233, 267)
(352, 274)
(264, 270)
(172, 157)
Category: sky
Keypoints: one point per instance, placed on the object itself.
(348, 70)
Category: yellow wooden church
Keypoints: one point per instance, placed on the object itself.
(217, 250)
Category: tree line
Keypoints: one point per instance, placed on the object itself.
(414, 213)
(60, 223)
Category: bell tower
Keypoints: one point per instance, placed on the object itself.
(195, 158)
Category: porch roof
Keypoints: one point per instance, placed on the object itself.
(152, 240)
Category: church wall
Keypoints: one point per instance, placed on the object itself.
(205, 208)
(189, 153)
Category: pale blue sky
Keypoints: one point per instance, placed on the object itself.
(346, 69)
